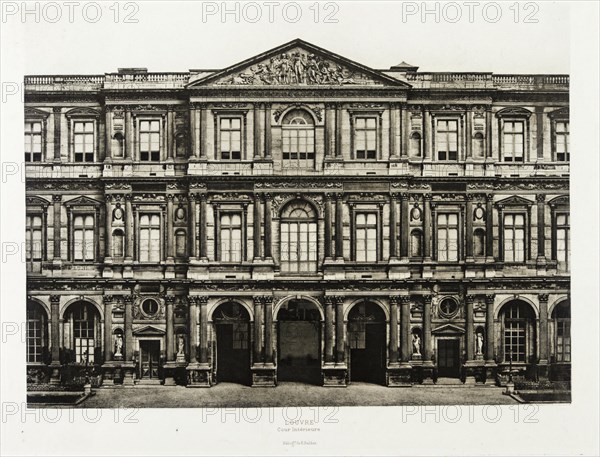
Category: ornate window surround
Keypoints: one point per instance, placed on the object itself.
(39, 207)
(159, 114)
(159, 210)
(218, 210)
(83, 115)
(366, 207)
(36, 115)
(241, 114)
(79, 207)
(558, 205)
(448, 208)
(559, 115)
(448, 116)
(367, 113)
(514, 205)
(514, 115)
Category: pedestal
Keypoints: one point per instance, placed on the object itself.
(264, 375)
(128, 369)
(169, 371)
(427, 370)
(263, 269)
(398, 269)
(198, 375)
(399, 375)
(334, 375)
(543, 370)
(55, 375)
(334, 269)
(198, 269)
(490, 372)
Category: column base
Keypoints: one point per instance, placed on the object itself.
(169, 372)
(55, 374)
(198, 375)
(128, 369)
(490, 372)
(399, 376)
(427, 372)
(334, 375)
(264, 375)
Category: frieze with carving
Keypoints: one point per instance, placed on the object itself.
(297, 67)
(298, 184)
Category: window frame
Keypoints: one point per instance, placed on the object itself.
(525, 324)
(150, 212)
(77, 213)
(313, 218)
(288, 127)
(459, 137)
(36, 115)
(240, 252)
(83, 206)
(85, 115)
(560, 205)
(366, 226)
(230, 114)
(514, 115)
(161, 137)
(366, 114)
(558, 116)
(40, 212)
(41, 340)
(515, 205)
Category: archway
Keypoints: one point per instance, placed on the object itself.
(299, 342)
(82, 334)
(232, 333)
(367, 342)
(37, 333)
(518, 334)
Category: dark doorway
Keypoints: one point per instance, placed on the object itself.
(299, 343)
(448, 358)
(366, 338)
(232, 328)
(149, 359)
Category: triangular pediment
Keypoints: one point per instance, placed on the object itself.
(297, 63)
(83, 201)
(149, 330)
(448, 328)
(515, 200)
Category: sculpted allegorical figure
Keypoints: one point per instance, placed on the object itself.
(416, 344)
(479, 342)
(180, 346)
(119, 346)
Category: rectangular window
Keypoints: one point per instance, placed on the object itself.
(83, 139)
(84, 341)
(33, 238)
(447, 237)
(83, 238)
(514, 238)
(231, 237)
(365, 138)
(231, 138)
(562, 142)
(563, 340)
(563, 248)
(514, 340)
(446, 140)
(513, 141)
(33, 141)
(357, 335)
(149, 238)
(366, 237)
(34, 340)
(150, 140)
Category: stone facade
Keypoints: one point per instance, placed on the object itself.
(298, 216)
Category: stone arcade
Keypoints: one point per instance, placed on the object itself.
(297, 217)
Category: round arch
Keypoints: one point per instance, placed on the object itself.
(300, 107)
(222, 301)
(375, 301)
(505, 302)
(284, 300)
(558, 302)
(41, 303)
(299, 200)
(92, 302)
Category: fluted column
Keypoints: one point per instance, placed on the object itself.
(393, 346)
(256, 223)
(427, 227)
(489, 328)
(128, 321)
(203, 329)
(193, 322)
(258, 319)
(404, 226)
(108, 342)
(57, 141)
(393, 226)
(169, 343)
(543, 352)
(267, 128)
(339, 227)
(193, 251)
(170, 253)
(329, 130)
(108, 227)
(257, 139)
(329, 333)
(129, 225)
(489, 228)
(541, 226)
(469, 227)
(405, 352)
(56, 199)
(470, 332)
(340, 353)
(268, 305)
(268, 227)
(203, 225)
(328, 224)
(427, 343)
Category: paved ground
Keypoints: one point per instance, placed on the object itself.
(292, 394)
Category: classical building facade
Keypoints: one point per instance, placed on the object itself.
(297, 217)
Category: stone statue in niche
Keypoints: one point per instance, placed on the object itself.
(118, 213)
(180, 348)
(119, 345)
(479, 344)
(416, 341)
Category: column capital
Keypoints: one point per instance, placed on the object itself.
(543, 297)
(540, 198)
(338, 300)
(470, 298)
(394, 299)
(404, 299)
(129, 197)
(329, 301)
(267, 299)
(128, 299)
(257, 299)
(170, 300)
(427, 298)
(108, 299)
(170, 197)
(57, 198)
(489, 298)
(55, 299)
(427, 197)
(57, 110)
(489, 197)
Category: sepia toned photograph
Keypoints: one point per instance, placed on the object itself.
(293, 222)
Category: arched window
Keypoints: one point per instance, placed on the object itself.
(83, 320)
(180, 243)
(415, 144)
(298, 238)
(298, 140)
(478, 150)
(518, 322)
(562, 332)
(479, 242)
(118, 243)
(37, 335)
(416, 243)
